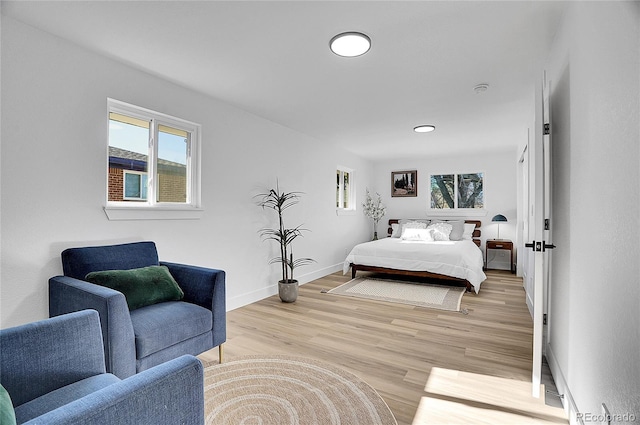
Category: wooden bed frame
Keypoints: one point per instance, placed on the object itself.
(421, 274)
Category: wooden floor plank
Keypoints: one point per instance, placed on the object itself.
(430, 366)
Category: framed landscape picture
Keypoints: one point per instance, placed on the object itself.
(404, 183)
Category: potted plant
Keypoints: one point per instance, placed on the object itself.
(375, 210)
(280, 201)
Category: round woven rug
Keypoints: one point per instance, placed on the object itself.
(281, 390)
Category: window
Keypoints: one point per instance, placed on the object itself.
(456, 191)
(153, 161)
(135, 186)
(345, 193)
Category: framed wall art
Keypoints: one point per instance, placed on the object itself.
(404, 183)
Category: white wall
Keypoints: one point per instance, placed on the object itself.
(54, 130)
(594, 324)
(500, 189)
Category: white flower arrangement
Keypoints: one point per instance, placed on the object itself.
(375, 210)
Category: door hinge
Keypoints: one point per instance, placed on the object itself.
(547, 129)
(544, 319)
(546, 224)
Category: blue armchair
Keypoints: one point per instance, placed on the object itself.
(54, 373)
(139, 339)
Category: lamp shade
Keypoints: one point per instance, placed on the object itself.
(499, 217)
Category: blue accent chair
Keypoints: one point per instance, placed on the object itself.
(54, 372)
(148, 336)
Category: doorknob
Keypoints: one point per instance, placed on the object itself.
(539, 246)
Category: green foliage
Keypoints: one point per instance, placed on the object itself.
(279, 202)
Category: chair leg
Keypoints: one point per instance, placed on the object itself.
(220, 353)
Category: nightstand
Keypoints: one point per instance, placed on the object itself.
(499, 244)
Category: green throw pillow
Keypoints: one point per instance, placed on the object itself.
(141, 287)
(7, 415)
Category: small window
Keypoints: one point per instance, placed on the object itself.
(345, 194)
(152, 159)
(135, 186)
(457, 191)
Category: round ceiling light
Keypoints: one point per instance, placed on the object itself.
(424, 128)
(350, 44)
(481, 88)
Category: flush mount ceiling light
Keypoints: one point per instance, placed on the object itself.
(350, 44)
(424, 128)
(481, 88)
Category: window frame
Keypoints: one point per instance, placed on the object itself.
(340, 210)
(466, 212)
(151, 208)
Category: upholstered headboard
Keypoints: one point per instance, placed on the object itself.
(476, 233)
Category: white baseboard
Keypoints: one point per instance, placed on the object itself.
(262, 293)
(568, 402)
(251, 297)
(529, 302)
(306, 278)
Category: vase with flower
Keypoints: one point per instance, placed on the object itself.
(375, 210)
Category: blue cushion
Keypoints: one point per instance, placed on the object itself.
(78, 262)
(162, 325)
(63, 396)
(193, 346)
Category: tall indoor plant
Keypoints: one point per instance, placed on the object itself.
(375, 210)
(279, 202)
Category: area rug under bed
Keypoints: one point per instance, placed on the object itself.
(405, 292)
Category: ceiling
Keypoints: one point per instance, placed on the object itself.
(271, 58)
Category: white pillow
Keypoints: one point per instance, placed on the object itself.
(411, 234)
(408, 224)
(469, 228)
(441, 231)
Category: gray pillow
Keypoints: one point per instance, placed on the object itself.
(457, 229)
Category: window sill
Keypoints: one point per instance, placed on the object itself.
(345, 212)
(153, 213)
(461, 212)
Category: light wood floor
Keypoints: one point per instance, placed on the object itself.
(430, 366)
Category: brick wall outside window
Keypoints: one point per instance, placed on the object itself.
(116, 184)
(173, 185)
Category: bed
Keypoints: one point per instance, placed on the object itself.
(458, 261)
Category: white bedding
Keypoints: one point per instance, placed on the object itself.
(460, 259)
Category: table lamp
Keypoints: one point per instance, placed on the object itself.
(499, 218)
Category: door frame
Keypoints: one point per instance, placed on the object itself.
(539, 236)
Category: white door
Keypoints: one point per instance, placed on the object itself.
(541, 212)
(525, 255)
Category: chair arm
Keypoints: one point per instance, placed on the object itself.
(170, 393)
(206, 288)
(67, 295)
(202, 286)
(30, 358)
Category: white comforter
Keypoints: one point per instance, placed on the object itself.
(461, 259)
